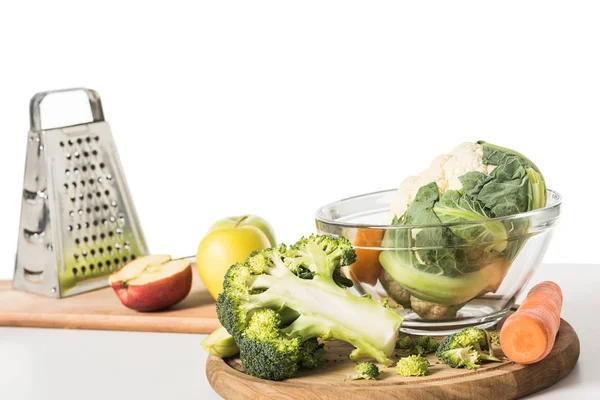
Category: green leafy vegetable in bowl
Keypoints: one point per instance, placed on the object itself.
(455, 247)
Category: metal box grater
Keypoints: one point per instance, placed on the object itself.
(78, 222)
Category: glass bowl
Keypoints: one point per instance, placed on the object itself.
(442, 288)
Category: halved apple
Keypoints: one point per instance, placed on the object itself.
(152, 283)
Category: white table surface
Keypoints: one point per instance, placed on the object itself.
(70, 364)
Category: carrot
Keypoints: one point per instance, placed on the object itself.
(528, 335)
(367, 267)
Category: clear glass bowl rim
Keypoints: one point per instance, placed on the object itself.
(554, 200)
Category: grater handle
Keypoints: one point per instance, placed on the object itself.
(34, 106)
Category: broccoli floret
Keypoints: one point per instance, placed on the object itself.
(421, 346)
(494, 337)
(460, 357)
(412, 366)
(366, 370)
(311, 353)
(282, 300)
(403, 343)
(475, 338)
(220, 344)
(425, 345)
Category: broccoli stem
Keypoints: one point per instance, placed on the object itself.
(325, 309)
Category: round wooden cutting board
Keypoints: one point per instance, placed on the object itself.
(505, 380)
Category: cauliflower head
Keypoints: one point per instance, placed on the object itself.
(444, 171)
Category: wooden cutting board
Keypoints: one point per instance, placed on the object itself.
(102, 310)
(505, 380)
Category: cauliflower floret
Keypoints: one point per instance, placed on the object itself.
(444, 171)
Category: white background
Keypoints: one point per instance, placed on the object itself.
(276, 108)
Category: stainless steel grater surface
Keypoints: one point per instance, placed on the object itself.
(78, 222)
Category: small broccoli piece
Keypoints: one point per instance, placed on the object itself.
(460, 357)
(475, 338)
(420, 346)
(425, 345)
(282, 300)
(494, 337)
(311, 353)
(220, 344)
(403, 343)
(412, 366)
(366, 370)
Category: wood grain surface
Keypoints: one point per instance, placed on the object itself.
(102, 310)
(504, 380)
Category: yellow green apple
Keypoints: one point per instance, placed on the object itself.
(223, 247)
(246, 220)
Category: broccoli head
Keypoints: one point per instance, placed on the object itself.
(412, 366)
(282, 300)
(475, 338)
(366, 370)
(461, 357)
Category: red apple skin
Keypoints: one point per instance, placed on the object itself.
(156, 295)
